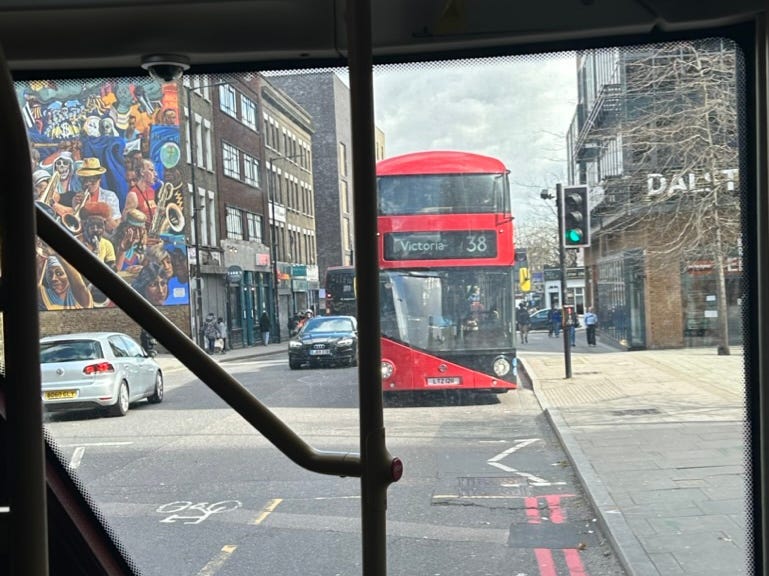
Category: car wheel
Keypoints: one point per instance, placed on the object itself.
(293, 365)
(120, 408)
(157, 396)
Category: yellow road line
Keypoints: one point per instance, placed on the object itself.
(214, 565)
(266, 511)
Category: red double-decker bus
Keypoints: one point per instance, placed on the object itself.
(446, 257)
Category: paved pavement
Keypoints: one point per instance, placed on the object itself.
(657, 439)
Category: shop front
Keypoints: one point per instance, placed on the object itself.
(620, 304)
(248, 281)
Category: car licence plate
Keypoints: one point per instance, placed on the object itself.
(451, 380)
(320, 352)
(60, 394)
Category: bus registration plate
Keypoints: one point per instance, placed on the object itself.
(444, 380)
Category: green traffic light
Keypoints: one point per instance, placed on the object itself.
(574, 235)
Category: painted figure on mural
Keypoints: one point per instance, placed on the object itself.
(142, 195)
(130, 241)
(67, 182)
(94, 217)
(152, 284)
(60, 286)
(90, 173)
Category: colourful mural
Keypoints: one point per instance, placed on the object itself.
(105, 161)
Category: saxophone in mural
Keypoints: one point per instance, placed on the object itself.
(167, 211)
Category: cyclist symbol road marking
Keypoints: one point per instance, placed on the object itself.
(195, 512)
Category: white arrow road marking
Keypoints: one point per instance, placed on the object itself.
(517, 446)
(77, 455)
(531, 478)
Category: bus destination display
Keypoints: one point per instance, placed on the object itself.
(440, 245)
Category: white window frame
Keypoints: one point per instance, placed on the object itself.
(230, 161)
(248, 112)
(234, 220)
(228, 100)
(255, 227)
(208, 145)
(250, 170)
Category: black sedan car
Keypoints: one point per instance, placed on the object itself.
(540, 321)
(325, 341)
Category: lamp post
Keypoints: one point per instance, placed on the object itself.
(545, 195)
(196, 223)
(274, 238)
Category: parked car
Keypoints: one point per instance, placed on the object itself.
(325, 341)
(102, 370)
(539, 320)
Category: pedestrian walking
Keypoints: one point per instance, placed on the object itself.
(556, 322)
(221, 326)
(210, 332)
(524, 322)
(571, 324)
(549, 322)
(591, 322)
(264, 326)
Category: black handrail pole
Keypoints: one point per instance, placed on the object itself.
(377, 463)
(28, 529)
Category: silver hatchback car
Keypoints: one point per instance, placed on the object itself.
(103, 370)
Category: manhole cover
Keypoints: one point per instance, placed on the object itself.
(485, 488)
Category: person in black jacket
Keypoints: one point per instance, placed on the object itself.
(524, 322)
(264, 326)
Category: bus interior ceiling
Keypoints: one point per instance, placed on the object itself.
(214, 36)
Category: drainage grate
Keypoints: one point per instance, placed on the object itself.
(635, 412)
(482, 488)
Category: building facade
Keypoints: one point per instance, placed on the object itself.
(206, 266)
(289, 174)
(107, 165)
(655, 138)
(241, 219)
(327, 99)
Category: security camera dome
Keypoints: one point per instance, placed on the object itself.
(166, 67)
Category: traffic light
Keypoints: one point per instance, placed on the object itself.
(522, 264)
(576, 217)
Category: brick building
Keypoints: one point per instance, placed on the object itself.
(637, 142)
(327, 99)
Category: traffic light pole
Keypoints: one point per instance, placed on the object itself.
(559, 202)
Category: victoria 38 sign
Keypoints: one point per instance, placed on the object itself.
(442, 245)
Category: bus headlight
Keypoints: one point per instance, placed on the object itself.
(501, 366)
(387, 369)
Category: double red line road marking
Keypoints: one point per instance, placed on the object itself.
(545, 559)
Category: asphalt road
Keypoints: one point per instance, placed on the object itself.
(191, 489)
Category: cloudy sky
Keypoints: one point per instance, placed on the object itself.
(516, 109)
